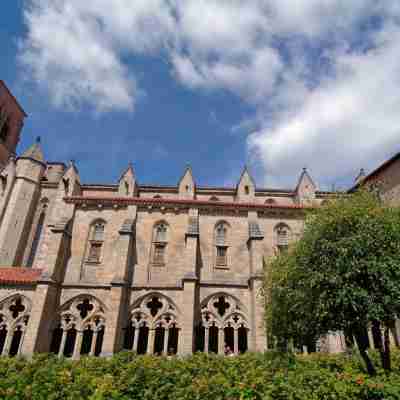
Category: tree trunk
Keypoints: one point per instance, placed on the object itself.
(378, 342)
(386, 364)
(362, 347)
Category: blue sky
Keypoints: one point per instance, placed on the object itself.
(214, 84)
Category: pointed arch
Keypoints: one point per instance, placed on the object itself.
(283, 235)
(96, 240)
(80, 325)
(14, 317)
(154, 325)
(221, 243)
(160, 238)
(222, 324)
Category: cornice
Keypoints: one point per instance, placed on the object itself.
(181, 203)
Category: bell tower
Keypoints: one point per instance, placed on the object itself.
(11, 122)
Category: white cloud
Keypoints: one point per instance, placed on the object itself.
(318, 98)
(350, 120)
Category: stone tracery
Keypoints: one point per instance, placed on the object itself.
(153, 326)
(223, 321)
(14, 316)
(81, 327)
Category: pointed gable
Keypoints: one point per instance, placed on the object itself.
(34, 152)
(127, 183)
(305, 190)
(246, 188)
(186, 185)
(361, 176)
(70, 184)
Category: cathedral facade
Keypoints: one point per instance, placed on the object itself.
(92, 269)
(97, 268)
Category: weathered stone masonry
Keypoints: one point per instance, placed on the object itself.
(93, 269)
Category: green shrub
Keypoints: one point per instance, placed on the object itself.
(251, 376)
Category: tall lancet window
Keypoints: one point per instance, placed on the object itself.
(38, 233)
(4, 125)
(96, 242)
(160, 241)
(282, 232)
(221, 245)
(3, 185)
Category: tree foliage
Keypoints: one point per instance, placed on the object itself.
(342, 275)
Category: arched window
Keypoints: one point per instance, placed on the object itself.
(214, 198)
(160, 241)
(283, 234)
(66, 186)
(4, 125)
(14, 316)
(153, 327)
(38, 233)
(221, 244)
(3, 185)
(79, 328)
(246, 190)
(223, 325)
(96, 241)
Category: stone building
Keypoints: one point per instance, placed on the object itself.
(11, 121)
(387, 177)
(96, 268)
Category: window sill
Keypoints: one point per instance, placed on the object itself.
(92, 262)
(158, 264)
(222, 267)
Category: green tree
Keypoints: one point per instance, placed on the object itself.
(342, 275)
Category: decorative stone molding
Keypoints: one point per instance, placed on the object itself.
(154, 310)
(223, 311)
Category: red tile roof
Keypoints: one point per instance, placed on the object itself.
(19, 276)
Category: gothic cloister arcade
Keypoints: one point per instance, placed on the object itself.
(79, 328)
(14, 316)
(222, 322)
(154, 326)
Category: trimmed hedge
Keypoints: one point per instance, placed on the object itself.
(250, 376)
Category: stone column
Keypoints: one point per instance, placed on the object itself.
(7, 343)
(93, 344)
(136, 339)
(370, 338)
(78, 345)
(236, 340)
(257, 340)
(150, 343)
(21, 341)
(206, 339)
(166, 338)
(117, 304)
(62, 344)
(221, 341)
